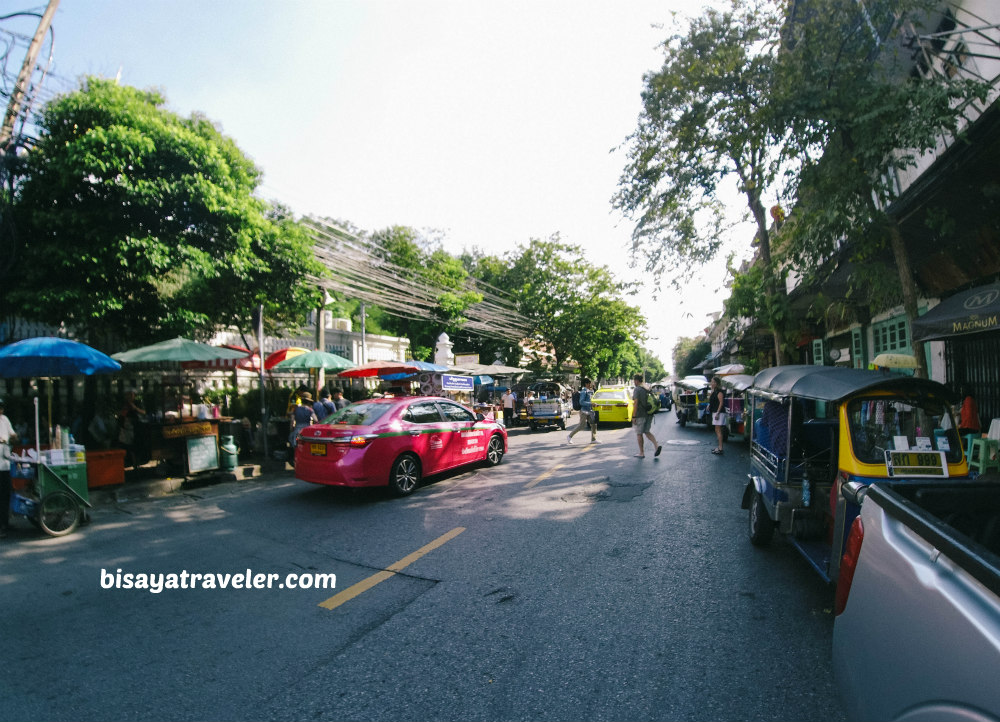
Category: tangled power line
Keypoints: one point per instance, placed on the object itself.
(357, 272)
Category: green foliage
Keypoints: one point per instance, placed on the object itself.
(143, 225)
(427, 262)
(858, 118)
(575, 308)
(707, 124)
(688, 353)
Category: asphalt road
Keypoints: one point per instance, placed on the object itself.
(569, 583)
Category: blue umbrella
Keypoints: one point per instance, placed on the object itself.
(48, 356)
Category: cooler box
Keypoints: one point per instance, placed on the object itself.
(105, 467)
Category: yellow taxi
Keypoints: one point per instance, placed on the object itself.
(613, 404)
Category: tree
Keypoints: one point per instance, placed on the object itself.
(139, 224)
(688, 353)
(709, 118)
(862, 113)
(575, 309)
(439, 271)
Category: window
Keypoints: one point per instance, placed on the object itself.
(454, 412)
(425, 412)
(858, 357)
(892, 335)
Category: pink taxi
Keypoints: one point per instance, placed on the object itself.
(396, 441)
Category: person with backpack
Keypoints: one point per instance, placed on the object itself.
(642, 418)
(582, 403)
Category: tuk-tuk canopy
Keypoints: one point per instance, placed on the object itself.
(834, 383)
(736, 382)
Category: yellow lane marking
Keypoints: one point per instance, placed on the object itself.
(365, 584)
(549, 472)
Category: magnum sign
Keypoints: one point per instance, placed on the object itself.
(972, 311)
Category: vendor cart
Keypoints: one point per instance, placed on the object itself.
(50, 490)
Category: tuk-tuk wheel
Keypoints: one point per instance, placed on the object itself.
(761, 524)
(58, 514)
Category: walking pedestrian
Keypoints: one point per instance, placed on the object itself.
(586, 413)
(642, 420)
(716, 407)
(509, 399)
(7, 437)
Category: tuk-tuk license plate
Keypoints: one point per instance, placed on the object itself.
(916, 463)
(317, 449)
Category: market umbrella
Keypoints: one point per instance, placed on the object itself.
(314, 360)
(895, 361)
(249, 362)
(177, 349)
(971, 311)
(48, 356)
(276, 357)
(388, 368)
(490, 369)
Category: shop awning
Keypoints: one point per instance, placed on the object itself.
(972, 311)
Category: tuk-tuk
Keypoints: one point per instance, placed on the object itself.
(691, 400)
(549, 412)
(735, 387)
(663, 392)
(816, 428)
(550, 406)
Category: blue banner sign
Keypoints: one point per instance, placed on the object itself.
(450, 382)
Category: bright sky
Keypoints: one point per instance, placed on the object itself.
(491, 123)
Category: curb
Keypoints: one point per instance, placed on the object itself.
(159, 487)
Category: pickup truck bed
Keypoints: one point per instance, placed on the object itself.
(919, 636)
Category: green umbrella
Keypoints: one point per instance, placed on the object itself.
(177, 349)
(315, 360)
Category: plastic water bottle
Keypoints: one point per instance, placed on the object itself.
(806, 491)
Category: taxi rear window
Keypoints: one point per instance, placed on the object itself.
(618, 395)
(358, 415)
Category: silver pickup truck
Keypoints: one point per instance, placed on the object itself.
(917, 631)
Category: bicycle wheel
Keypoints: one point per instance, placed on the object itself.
(58, 514)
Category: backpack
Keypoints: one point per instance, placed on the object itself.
(652, 403)
(576, 401)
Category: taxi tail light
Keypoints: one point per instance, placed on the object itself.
(359, 440)
(848, 563)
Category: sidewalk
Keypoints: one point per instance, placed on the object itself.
(152, 481)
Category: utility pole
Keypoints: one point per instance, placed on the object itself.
(263, 395)
(24, 77)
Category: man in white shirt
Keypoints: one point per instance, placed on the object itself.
(7, 439)
(508, 399)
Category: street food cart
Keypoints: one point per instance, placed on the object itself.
(50, 489)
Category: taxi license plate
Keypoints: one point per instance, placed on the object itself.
(317, 449)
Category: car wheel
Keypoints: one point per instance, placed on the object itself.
(405, 475)
(761, 525)
(494, 450)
